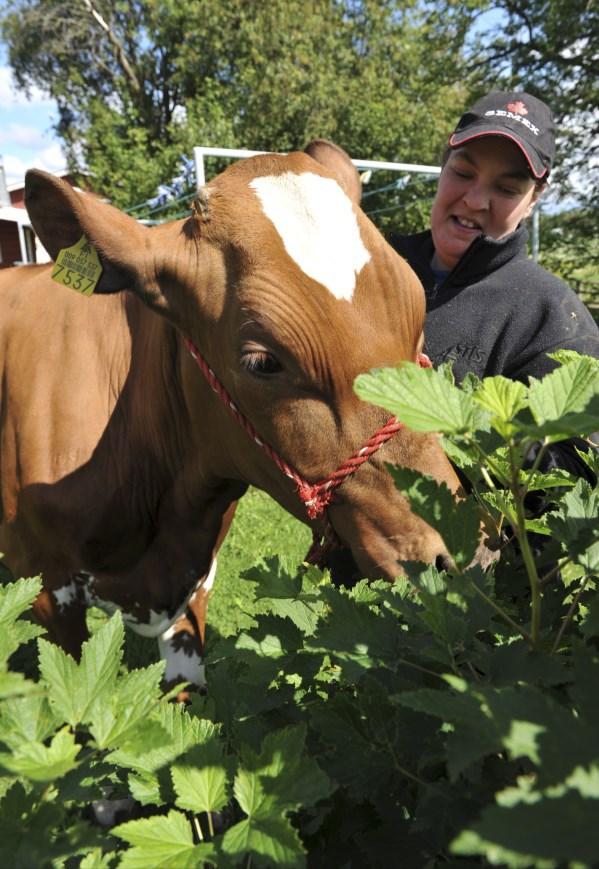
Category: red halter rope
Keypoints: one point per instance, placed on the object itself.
(315, 496)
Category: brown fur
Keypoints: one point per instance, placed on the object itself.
(116, 458)
(338, 163)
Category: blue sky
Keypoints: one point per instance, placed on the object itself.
(26, 137)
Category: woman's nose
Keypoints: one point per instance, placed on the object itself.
(477, 198)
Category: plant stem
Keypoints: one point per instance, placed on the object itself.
(486, 462)
(410, 775)
(569, 615)
(196, 823)
(502, 613)
(536, 463)
(419, 668)
(543, 580)
(527, 556)
(487, 477)
(210, 824)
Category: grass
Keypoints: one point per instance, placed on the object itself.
(261, 528)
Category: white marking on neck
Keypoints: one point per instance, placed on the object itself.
(158, 622)
(65, 595)
(181, 664)
(318, 227)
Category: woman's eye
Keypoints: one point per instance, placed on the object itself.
(261, 363)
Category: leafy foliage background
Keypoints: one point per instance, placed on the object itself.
(447, 717)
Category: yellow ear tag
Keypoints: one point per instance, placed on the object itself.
(78, 267)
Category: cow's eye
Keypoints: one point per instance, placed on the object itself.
(261, 363)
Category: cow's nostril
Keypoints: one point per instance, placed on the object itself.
(443, 562)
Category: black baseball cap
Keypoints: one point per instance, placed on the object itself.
(518, 116)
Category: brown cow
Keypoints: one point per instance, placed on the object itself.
(120, 466)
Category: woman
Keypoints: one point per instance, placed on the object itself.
(491, 309)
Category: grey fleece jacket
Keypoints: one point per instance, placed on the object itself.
(497, 311)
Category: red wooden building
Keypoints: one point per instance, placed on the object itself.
(18, 242)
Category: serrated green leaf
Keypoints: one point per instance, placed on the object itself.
(121, 719)
(181, 732)
(422, 399)
(101, 657)
(17, 634)
(26, 719)
(590, 459)
(16, 597)
(292, 597)
(163, 842)
(564, 356)
(355, 636)
(575, 525)
(145, 788)
(29, 828)
(541, 481)
(59, 671)
(96, 860)
(200, 790)
(567, 389)
(200, 777)
(503, 399)
(585, 781)
(566, 401)
(590, 622)
(286, 774)
(38, 762)
(16, 685)
(269, 842)
(522, 720)
(501, 501)
(561, 829)
(457, 521)
(249, 793)
(77, 691)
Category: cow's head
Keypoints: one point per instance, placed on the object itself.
(289, 291)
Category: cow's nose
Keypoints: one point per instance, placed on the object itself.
(443, 561)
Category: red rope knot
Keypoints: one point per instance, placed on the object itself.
(316, 498)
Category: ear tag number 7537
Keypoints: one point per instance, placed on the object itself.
(78, 267)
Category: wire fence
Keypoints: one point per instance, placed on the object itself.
(174, 201)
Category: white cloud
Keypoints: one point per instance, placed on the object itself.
(10, 97)
(51, 159)
(21, 135)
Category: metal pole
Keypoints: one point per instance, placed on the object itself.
(535, 233)
(201, 152)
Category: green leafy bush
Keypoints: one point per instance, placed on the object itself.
(449, 718)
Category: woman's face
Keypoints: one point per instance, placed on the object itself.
(485, 188)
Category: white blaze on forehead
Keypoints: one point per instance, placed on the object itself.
(318, 227)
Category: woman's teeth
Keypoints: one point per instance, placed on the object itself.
(469, 224)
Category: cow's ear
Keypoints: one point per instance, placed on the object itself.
(339, 164)
(60, 216)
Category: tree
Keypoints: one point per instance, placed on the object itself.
(139, 82)
(570, 246)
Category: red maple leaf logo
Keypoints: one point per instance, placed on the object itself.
(517, 108)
